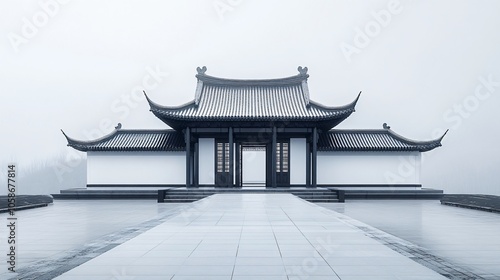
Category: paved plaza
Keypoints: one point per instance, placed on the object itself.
(249, 236)
(468, 238)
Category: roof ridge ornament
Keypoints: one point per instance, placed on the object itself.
(302, 71)
(202, 70)
(118, 126)
(386, 126)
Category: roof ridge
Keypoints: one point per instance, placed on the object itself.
(154, 105)
(283, 81)
(72, 141)
(349, 106)
(411, 141)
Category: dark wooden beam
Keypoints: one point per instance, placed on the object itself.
(314, 157)
(196, 163)
(238, 165)
(187, 135)
(273, 158)
(308, 163)
(231, 158)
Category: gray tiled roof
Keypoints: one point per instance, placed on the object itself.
(333, 140)
(133, 140)
(372, 140)
(218, 99)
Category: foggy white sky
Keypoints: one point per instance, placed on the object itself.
(419, 70)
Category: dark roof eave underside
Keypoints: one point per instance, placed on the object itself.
(322, 124)
(377, 149)
(125, 149)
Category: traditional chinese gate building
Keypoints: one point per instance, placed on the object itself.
(253, 132)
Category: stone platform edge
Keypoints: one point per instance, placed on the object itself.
(138, 193)
(24, 202)
(489, 203)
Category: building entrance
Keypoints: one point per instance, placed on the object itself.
(253, 165)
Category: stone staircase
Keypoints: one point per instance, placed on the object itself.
(183, 195)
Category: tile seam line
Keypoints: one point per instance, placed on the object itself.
(237, 250)
(300, 199)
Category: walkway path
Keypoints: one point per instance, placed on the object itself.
(253, 236)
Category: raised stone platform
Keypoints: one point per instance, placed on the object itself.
(390, 193)
(341, 192)
(109, 193)
(490, 203)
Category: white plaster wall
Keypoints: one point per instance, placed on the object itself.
(206, 161)
(418, 167)
(136, 168)
(368, 168)
(298, 161)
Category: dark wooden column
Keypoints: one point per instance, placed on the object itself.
(273, 158)
(196, 164)
(308, 163)
(187, 136)
(314, 157)
(238, 165)
(231, 159)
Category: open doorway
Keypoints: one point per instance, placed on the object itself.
(253, 165)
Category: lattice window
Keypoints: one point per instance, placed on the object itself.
(285, 157)
(278, 157)
(220, 157)
(226, 155)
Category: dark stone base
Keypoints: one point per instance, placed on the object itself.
(143, 192)
(124, 193)
(25, 202)
(366, 193)
(490, 203)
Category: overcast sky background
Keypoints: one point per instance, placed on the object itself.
(79, 70)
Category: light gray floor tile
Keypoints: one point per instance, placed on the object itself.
(253, 261)
(259, 270)
(205, 270)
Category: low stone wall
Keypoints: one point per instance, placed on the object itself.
(490, 203)
(25, 202)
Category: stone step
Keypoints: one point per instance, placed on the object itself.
(316, 194)
(194, 194)
(238, 190)
(169, 195)
(322, 200)
(319, 197)
(214, 192)
(180, 200)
